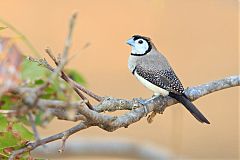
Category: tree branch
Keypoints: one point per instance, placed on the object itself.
(66, 78)
(58, 136)
(34, 128)
(93, 115)
(113, 104)
(137, 110)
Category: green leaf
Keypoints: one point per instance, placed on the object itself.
(3, 123)
(12, 136)
(7, 139)
(38, 81)
(32, 71)
(76, 76)
(8, 143)
(24, 133)
(6, 102)
(38, 119)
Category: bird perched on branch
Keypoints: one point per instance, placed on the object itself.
(152, 69)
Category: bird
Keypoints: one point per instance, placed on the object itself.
(153, 70)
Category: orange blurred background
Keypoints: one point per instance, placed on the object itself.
(200, 39)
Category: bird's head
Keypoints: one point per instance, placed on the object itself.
(140, 45)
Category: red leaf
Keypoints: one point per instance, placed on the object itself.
(8, 150)
(10, 126)
(10, 60)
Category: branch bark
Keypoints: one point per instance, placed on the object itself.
(32, 146)
(137, 110)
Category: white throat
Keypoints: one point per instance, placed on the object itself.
(134, 51)
(139, 50)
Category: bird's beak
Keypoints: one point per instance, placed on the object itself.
(130, 42)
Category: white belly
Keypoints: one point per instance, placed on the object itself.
(157, 90)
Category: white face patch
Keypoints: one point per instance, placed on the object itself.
(140, 46)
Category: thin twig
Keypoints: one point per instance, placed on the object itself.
(88, 92)
(64, 139)
(31, 146)
(68, 41)
(66, 78)
(61, 65)
(73, 83)
(34, 128)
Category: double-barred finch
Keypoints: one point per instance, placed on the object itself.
(152, 69)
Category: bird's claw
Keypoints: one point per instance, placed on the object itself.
(161, 110)
(140, 102)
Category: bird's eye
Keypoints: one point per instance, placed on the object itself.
(140, 41)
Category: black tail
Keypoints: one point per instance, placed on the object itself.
(190, 107)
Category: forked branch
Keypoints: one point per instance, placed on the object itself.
(137, 110)
(89, 115)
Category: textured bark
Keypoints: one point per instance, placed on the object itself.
(138, 109)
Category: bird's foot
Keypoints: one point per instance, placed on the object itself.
(145, 110)
(138, 102)
(161, 110)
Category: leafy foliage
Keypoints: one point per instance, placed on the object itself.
(13, 133)
(6, 102)
(76, 76)
(31, 71)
